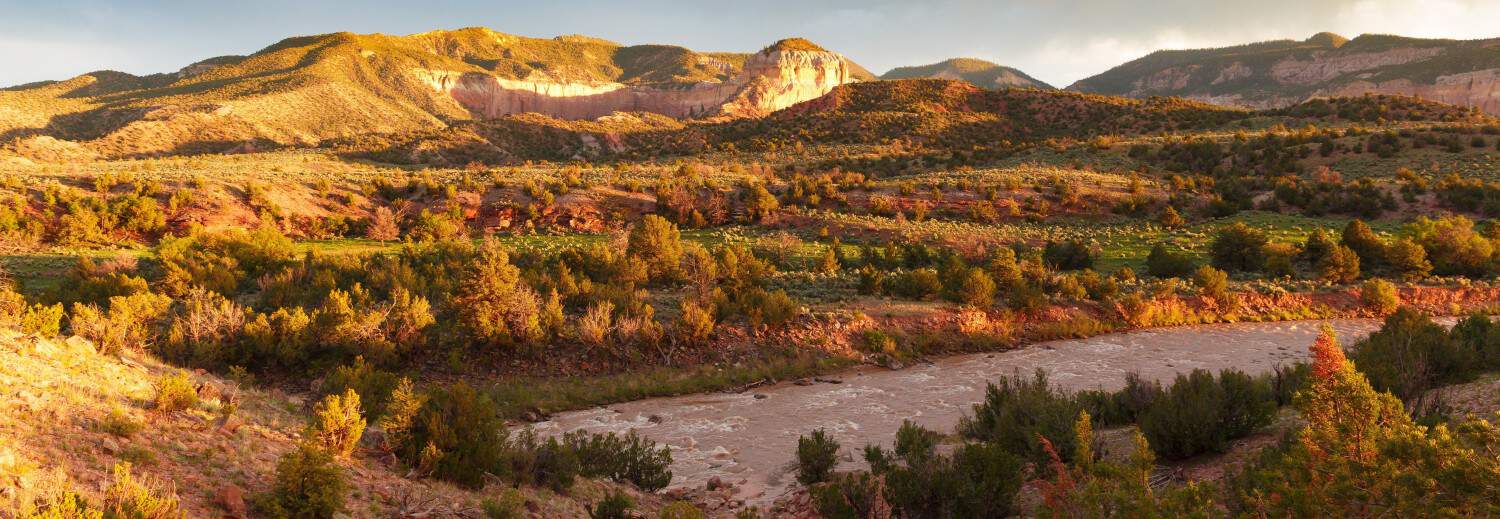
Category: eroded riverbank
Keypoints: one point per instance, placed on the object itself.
(750, 438)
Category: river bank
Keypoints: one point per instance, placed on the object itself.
(749, 438)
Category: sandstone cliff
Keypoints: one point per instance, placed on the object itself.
(304, 91)
(1280, 73)
(769, 80)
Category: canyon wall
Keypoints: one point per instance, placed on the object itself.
(1279, 74)
(769, 81)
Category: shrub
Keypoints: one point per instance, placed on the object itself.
(1018, 413)
(849, 496)
(175, 392)
(373, 386)
(336, 424)
(1360, 454)
(308, 485)
(1238, 247)
(917, 284)
(696, 324)
(1452, 245)
(681, 510)
(1340, 265)
(977, 480)
(129, 323)
(975, 288)
(119, 423)
(382, 225)
(128, 497)
(1407, 259)
(615, 505)
(1170, 219)
(1124, 406)
(629, 458)
(1199, 414)
(1359, 238)
(1480, 336)
(492, 302)
(1379, 296)
(817, 454)
(1111, 488)
(203, 330)
(456, 436)
(401, 414)
(594, 326)
(1068, 255)
(1212, 283)
(769, 308)
(657, 242)
(1410, 355)
(1317, 245)
(1164, 263)
(510, 505)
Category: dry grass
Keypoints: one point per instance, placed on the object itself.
(64, 408)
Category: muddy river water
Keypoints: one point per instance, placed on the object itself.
(750, 438)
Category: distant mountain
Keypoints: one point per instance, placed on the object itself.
(976, 71)
(304, 90)
(1281, 73)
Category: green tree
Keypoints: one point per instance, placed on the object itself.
(657, 242)
(1340, 265)
(1363, 241)
(1238, 247)
(492, 302)
(309, 485)
(817, 453)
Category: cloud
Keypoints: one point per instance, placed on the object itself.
(1058, 41)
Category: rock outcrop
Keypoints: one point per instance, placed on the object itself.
(1281, 73)
(769, 80)
(303, 91)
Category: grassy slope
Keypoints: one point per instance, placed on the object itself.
(1457, 57)
(979, 72)
(58, 393)
(306, 89)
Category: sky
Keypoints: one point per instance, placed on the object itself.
(1057, 41)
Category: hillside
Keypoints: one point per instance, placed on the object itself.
(70, 414)
(977, 71)
(1280, 73)
(926, 113)
(304, 90)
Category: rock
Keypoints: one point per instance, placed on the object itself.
(771, 80)
(80, 345)
(760, 396)
(828, 380)
(232, 498)
(229, 424)
(109, 445)
(656, 418)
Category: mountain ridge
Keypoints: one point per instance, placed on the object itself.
(982, 73)
(1280, 73)
(303, 90)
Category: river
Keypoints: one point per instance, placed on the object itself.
(749, 439)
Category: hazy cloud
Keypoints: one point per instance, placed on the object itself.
(1058, 41)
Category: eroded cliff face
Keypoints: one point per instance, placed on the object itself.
(769, 81)
(1479, 89)
(1278, 74)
